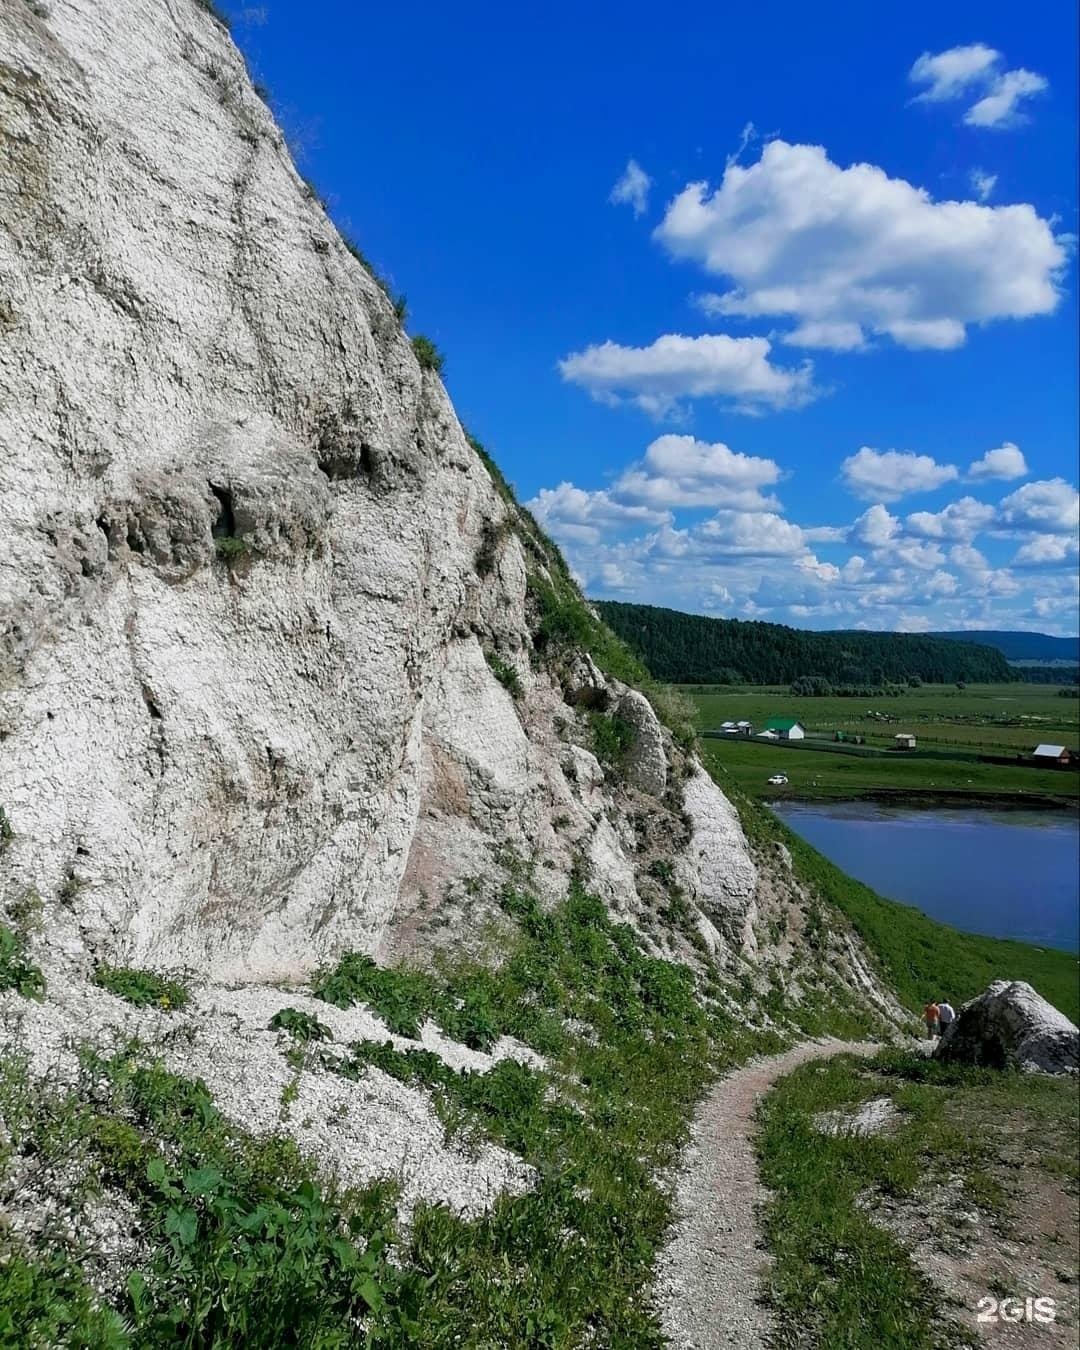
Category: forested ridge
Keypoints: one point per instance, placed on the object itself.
(1020, 646)
(692, 649)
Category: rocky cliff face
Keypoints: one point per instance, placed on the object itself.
(255, 584)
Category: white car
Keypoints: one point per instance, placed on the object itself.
(778, 780)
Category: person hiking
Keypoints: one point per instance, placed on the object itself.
(946, 1015)
(930, 1016)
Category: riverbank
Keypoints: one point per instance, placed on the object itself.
(919, 957)
(999, 872)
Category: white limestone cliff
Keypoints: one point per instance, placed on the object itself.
(244, 762)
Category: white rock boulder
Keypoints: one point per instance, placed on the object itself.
(1009, 1025)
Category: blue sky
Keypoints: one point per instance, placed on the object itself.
(814, 361)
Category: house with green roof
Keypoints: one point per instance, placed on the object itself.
(784, 729)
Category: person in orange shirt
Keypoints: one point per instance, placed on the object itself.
(930, 1017)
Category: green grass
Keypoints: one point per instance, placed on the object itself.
(841, 1280)
(505, 673)
(816, 775)
(428, 355)
(16, 970)
(919, 957)
(243, 1243)
(144, 988)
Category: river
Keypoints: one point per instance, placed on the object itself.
(1010, 874)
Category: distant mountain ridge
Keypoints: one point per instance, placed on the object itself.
(1016, 645)
(692, 649)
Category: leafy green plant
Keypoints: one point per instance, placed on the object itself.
(428, 354)
(402, 998)
(301, 1026)
(16, 971)
(144, 988)
(230, 547)
(505, 673)
(613, 737)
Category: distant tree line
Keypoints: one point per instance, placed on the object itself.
(691, 649)
(1048, 674)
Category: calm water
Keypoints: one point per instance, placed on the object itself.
(1004, 873)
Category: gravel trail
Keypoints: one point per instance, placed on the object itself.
(709, 1274)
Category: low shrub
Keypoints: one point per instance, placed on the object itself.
(428, 355)
(142, 987)
(229, 547)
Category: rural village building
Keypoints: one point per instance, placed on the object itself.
(1057, 753)
(904, 740)
(785, 729)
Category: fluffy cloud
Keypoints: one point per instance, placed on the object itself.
(572, 513)
(632, 189)
(1007, 461)
(962, 72)
(841, 250)
(982, 183)
(1045, 549)
(875, 527)
(683, 471)
(950, 74)
(1050, 506)
(1000, 107)
(657, 377)
(962, 519)
(745, 534)
(891, 474)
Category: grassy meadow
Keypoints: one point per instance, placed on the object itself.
(1005, 719)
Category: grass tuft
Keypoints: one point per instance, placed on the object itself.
(16, 970)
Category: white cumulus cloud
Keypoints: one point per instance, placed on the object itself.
(950, 74)
(962, 72)
(683, 471)
(851, 252)
(890, 474)
(875, 527)
(1007, 462)
(1001, 106)
(1045, 549)
(632, 188)
(573, 513)
(961, 519)
(656, 378)
(1050, 506)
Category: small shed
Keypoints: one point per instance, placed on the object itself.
(785, 728)
(904, 740)
(1056, 754)
(744, 728)
(728, 727)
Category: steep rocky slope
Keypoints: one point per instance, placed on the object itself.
(285, 673)
(252, 564)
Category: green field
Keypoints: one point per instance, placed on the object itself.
(982, 719)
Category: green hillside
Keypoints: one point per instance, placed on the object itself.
(691, 649)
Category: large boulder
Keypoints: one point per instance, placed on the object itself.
(1009, 1025)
